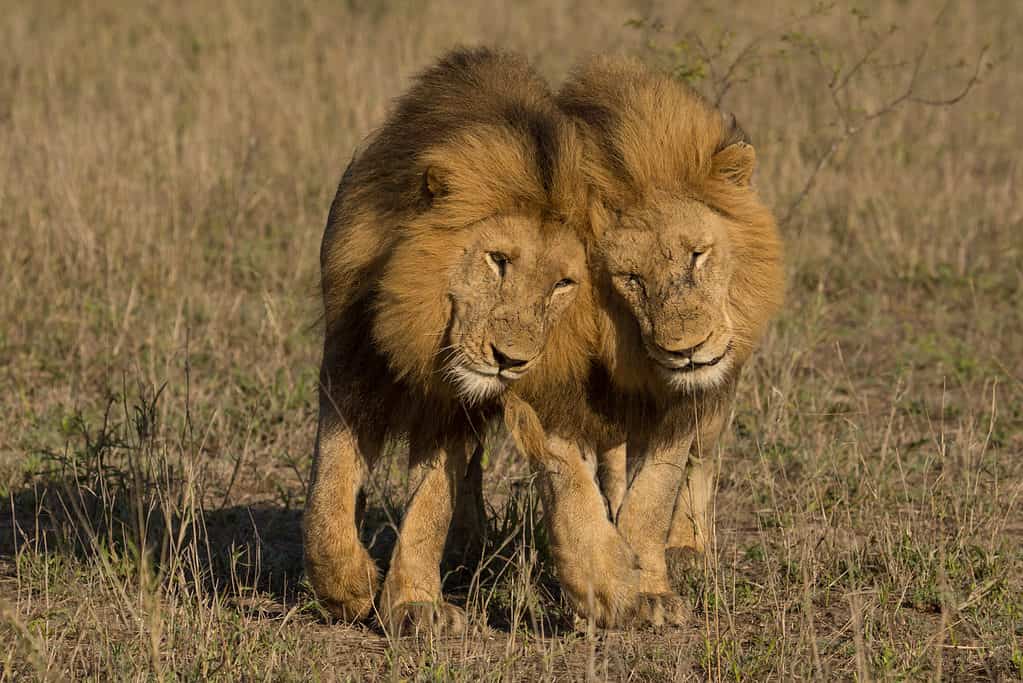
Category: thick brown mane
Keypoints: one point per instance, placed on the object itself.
(648, 135)
(476, 135)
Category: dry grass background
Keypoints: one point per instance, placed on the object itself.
(165, 171)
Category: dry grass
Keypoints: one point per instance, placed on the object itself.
(165, 171)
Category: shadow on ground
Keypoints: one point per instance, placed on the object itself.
(231, 549)
(245, 550)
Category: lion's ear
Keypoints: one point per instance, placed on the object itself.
(433, 184)
(735, 158)
(736, 163)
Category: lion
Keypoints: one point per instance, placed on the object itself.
(687, 272)
(451, 259)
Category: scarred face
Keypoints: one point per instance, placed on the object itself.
(669, 262)
(514, 279)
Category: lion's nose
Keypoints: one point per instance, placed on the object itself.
(685, 352)
(504, 361)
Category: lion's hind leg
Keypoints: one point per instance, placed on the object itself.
(467, 535)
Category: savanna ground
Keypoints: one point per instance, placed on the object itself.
(165, 172)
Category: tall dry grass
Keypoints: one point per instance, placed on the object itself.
(165, 172)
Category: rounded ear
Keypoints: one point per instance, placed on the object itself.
(735, 158)
(735, 163)
(433, 184)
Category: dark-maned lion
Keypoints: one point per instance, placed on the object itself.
(449, 264)
(687, 267)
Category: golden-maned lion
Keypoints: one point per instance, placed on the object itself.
(687, 267)
(450, 260)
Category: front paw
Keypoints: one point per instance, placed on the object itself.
(421, 619)
(631, 609)
(603, 584)
(344, 582)
(659, 609)
(607, 588)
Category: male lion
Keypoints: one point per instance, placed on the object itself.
(687, 270)
(449, 262)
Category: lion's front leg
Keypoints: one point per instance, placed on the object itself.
(646, 514)
(691, 523)
(339, 568)
(411, 597)
(597, 570)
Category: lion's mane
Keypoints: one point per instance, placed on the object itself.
(488, 123)
(648, 134)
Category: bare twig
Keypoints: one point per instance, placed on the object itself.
(724, 84)
(849, 131)
(850, 121)
(811, 179)
(967, 87)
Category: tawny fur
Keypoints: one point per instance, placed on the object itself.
(485, 124)
(649, 139)
(475, 163)
(666, 169)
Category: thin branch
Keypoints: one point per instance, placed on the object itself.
(870, 52)
(727, 80)
(811, 179)
(906, 94)
(724, 84)
(970, 84)
(893, 105)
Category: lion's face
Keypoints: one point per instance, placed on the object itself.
(512, 281)
(670, 264)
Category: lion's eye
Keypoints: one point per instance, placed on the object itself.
(563, 283)
(498, 261)
(635, 282)
(698, 256)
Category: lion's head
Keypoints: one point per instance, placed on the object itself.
(670, 264)
(511, 285)
(472, 307)
(689, 257)
(461, 226)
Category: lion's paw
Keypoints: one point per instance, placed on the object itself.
(604, 586)
(345, 583)
(424, 618)
(660, 609)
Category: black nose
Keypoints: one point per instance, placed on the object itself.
(504, 361)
